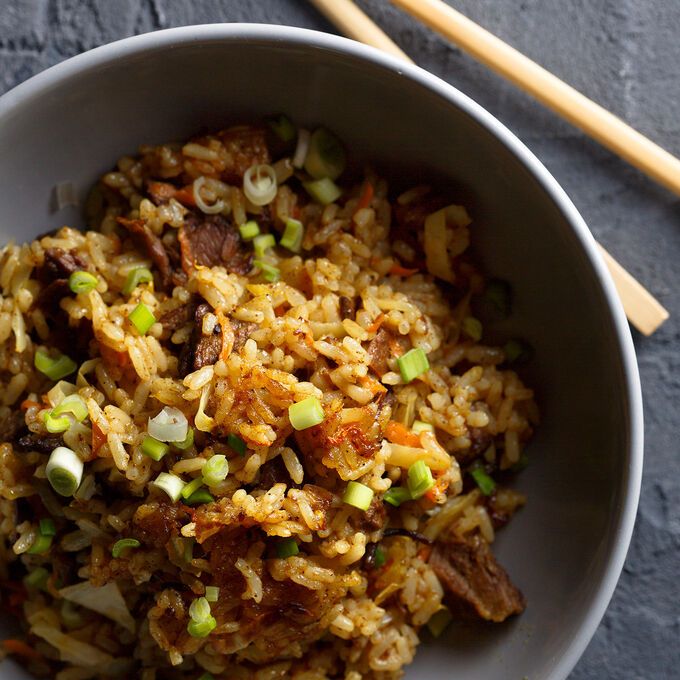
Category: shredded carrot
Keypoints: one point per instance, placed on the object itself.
(376, 324)
(373, 385)
(114, 358)
(98, 439)
(440, 486)
(28, 403)
(398, 270)
(366, 196)
(185, 195)
(424, 553)
(163, 190)
(20, 648)
(398, 433)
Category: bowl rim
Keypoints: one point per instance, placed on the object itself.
(275, 34)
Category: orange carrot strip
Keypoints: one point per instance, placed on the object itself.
(398, 433)
(162, 190)
(185, 195)
(98, 438)
(376, 324)
(398, 270)
(28, 403)
(366, 196)
(20, 648)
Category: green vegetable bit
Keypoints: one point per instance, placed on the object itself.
(283, 128)
(153, 448)
(287, 547)
(119, 547)
(306, 413)
(412, 364)
(215, 470)
(236, 443)
(187, 443)
(191, 487)
(485, 483)
(324, 191)
(397, 495)
(142, 318)
(54, 367)
(439, 621)
(82, 282)
(379, 558)
(249, 230)
(135, 277)
(358, 495)
(47, 527)
(200, 497)
(420, 479)
(326, 156)
(269, 272)
(292, 235)
(472, 328)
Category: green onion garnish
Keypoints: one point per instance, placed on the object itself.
(187, 442)
(153, 448)
(37, 579)
(324, 191)
(249, 230)
(55, 368)
(517, 351)
(215, 470)
(236, 443)
(64, 471)
(193, 485)
(200, 497)
(485, 483)
(55, 425)
(379, 558)
(73, 404)
(124, 544)
(292, 235)
(397, 495)
(439, 621)
(287, 547)
(188, 550)
(47, 527)
(262, 243)
(199, 610)
(201, 629)
(212, 593)
(282, 128)
(82, 282)
(358, 495)
(472, 327)
(306, 413)
(498, 294)
(420, 479)
(135, 277)
(326, 156)
(420, 426)
(171, 484)
(41, 545)
(269, 272)
(412, 364)
(142, 318)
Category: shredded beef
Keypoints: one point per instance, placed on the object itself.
(245, 145)
(38, 442)
(475, 584)
(59, 264)
(273, 472)
(178, 317)
(210, 241)
(201, 350)
(149, 243)
(156, 523)
(242, 331)
(379, 351)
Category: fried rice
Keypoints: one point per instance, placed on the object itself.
(343, 528)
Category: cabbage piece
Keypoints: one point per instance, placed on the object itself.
(71, 650)
(105, 600)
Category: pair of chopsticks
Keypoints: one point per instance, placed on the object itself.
(642, 309)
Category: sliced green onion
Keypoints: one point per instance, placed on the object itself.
(326, 155)
(259, 184)
(420, 479)
(199, 610)
(171, 484)
(379, 558)
(517, 351)
(135, 277)
(412, 364)
(262, 243)
(397, 495)
(203, 628)
(64, 471)
(119, 547)
(82, 282)
(521, 463)
(358, 495)
(283, 128)
(153, 448)
(249, 230)
(498, 294)
(47, 527)
(41, 545)
(292, 235)
(215, 469)
(188, 550)
(485, 483)
(269, 272)
(55, 425)
(306, 413)
(472, 327)
(187, 442)
(324, 191)
(168, 425)
(142, 318)
(212, 593)
(37, 579)
(439, 621)
(287, 547)
(200, 497)
(55, 368)
(236, 443)
(301, 148)
(73, 404)
(420, 426)
(192, 486)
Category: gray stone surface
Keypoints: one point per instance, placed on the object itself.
(622, 53)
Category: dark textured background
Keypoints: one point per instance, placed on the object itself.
(622, 53)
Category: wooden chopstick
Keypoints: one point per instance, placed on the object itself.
(642, 309)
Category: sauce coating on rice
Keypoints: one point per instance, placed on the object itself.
(251, 427)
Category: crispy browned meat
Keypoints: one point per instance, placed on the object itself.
(43, 443)
(373, 519)
(178, 317)
(211, 241)
(245, 146)
(273, 472)
(155, 523)
(242, 331)
(201, 350)
(59, 264)
(379, 351)
(149, 243)
(475, 584)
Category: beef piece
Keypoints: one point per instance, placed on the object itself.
(347, 308)
(201, 350)
(373, 519)
(156, 523)
(38, 442)
(245, 145)
(242, 331)
(211, 241)
(475, 584)
(273, 472)
(409, 223)
(178, 317)
(207, 350)
(50, 296)
(59, 264)
(149, 243)
(379, 351)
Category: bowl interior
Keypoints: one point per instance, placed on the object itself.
(73, 124)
